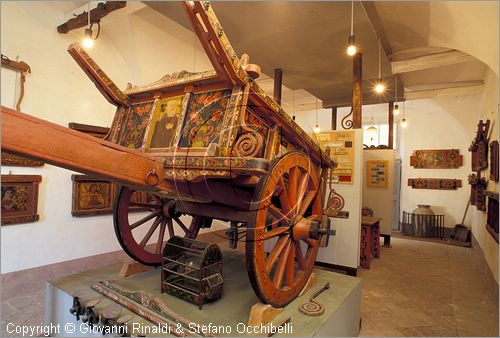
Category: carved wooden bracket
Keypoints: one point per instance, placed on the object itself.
(478, 187)
(479, 147)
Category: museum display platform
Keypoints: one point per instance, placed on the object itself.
(341, 301)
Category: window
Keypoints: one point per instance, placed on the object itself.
(378, 137)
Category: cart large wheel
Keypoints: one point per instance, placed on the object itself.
(159, 221)
(280, 254)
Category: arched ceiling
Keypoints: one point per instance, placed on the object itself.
(433, 46)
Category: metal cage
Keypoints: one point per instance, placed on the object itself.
(192, 270)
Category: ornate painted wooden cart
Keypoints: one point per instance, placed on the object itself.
(211, 145)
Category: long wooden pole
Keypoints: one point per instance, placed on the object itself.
(390, 142)
(278, 84)
(334, 118)
(76, 151)
(357, 91)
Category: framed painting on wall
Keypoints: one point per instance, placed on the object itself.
(94, 196)
(19, 198)
(377, 173)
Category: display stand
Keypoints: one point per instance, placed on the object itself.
(131, 268)
(341, 317)
(261, 313)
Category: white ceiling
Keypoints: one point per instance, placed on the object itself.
(308, 39)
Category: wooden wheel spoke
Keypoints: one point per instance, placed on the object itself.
(292, 186)
(150, 232)
(161, 235)
(309, 242)
(301, 189)
(300, 256)
(280, 269)
(290, 266)
(170, 226)
(145, 205)
(275, 252)
(278, 214)
(183, 227)
(284, 199)
(306, 202)
(275, 232)
(145, 219)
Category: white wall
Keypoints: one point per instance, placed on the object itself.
(58, 90)
(343, 248)
(380, 200)
(438, 123)
(488, 108)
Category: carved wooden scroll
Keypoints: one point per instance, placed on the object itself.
(434, 183)
(479, 147)
(494, 161)
(436, 159)
(478, 187)
(21, 67)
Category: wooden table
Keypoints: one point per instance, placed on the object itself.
(370, 242)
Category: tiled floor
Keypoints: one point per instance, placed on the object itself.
(427, 289)
(416, 289)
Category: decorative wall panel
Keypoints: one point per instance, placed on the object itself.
(434, 183)
(436, 159)
(19, 198)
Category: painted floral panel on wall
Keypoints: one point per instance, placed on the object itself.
(19, 198)
(204, 118)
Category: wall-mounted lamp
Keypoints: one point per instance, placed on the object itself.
(351, 48)
(88, 39)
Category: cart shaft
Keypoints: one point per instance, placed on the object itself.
(39, 139)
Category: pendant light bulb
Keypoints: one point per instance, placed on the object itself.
(379, 87)
(396, 110)
(316, 129)
(351, 49)
(404, 124)
(87, 41)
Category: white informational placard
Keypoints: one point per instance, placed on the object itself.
(343, 249)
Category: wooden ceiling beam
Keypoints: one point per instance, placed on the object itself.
(96, 14)
(378, 28)
(430, 61)
(458, 88)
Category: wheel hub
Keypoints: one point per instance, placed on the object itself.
(168, 209)
(304, 228)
